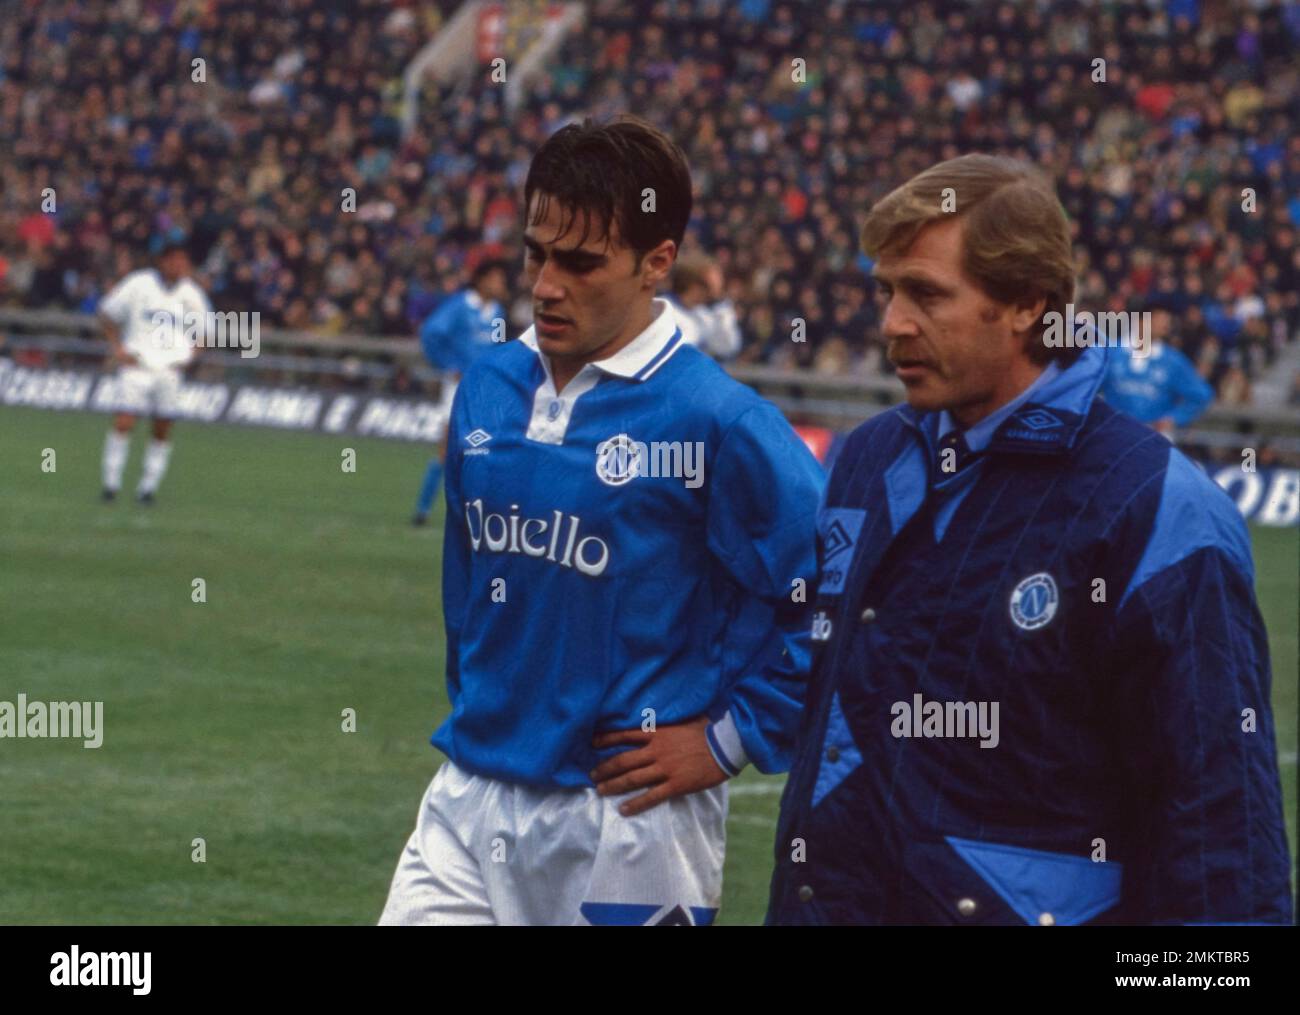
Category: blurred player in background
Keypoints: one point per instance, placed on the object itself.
(1161, 389)
(706, 317)
(458, 331)
(625, 630)
(145, 319)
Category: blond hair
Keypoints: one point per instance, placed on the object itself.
(1016, 236)
(691, 269)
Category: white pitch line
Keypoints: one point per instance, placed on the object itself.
(774, 789)
(756, 789)
(750, 819)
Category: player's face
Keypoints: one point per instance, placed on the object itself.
(693, 295)
(173, 266)
(495, 286)
(589, 299)
(954, 347)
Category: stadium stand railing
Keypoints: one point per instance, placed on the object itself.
(450, 54)
(53, 337)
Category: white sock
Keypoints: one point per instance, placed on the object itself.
(155, 464)
(116, 446)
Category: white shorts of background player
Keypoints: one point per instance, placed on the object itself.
(149, 391)
(491, 852)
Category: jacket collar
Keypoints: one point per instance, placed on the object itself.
(980, 434)
(1049, 421)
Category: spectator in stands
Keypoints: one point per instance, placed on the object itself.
(301, 102)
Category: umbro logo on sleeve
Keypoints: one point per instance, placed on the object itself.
(476, 439)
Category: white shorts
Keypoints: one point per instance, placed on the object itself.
(491, 852)
(147, 391)
(450, 382)
(449, 385)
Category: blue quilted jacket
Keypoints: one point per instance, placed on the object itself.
(1040, 689)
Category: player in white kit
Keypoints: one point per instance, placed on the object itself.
(707, 318)
(145, 318)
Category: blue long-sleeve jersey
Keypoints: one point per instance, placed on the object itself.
(633, 548)
(1161, 385)
(461, 329)
(1040, 687)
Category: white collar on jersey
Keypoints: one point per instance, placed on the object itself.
(162, 282)
(642, 356)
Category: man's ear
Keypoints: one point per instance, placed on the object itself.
(657, 263)
(1027, 314)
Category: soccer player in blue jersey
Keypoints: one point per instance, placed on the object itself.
(458, 331)
(629, 534)
(1159, 387)
(1041, 686)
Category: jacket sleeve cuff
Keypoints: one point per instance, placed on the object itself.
(725, 745)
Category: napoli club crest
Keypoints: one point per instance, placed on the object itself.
(618, 460)
(1034, 601)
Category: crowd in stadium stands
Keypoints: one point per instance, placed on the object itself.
(795, 118)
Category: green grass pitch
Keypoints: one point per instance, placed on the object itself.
(223, 719)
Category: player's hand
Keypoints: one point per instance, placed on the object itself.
(1164, 425)
(672, 761)
(123, 358)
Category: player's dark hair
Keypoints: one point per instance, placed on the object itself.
(604, 172)
(174, 239)
(486, 266)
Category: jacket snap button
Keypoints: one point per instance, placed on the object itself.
(805, 893)
(966, 907)
(1046, 920)
(868, 615)
(832, 753)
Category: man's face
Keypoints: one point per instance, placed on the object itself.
(173, 266)
(495, 286)
(954, 347)
(587, 297)
(693, 295)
